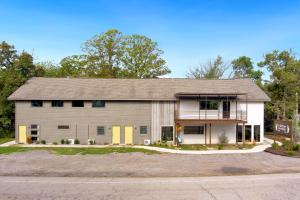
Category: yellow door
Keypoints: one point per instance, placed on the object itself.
(22, 134)
(128, 135)
(116, 133)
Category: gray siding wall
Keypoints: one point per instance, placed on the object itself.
(162, 115)
(85, 120)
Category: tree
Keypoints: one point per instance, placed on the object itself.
(103, 54)
(211, 70)
(243, 68)
(284, 82)
(142, 58)
(7, 55)
(73, 66)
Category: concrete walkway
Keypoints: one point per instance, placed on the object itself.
(8, 144)
(256, 149)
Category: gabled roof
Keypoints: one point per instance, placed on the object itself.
(131, 89)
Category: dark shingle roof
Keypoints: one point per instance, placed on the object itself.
(131, 89)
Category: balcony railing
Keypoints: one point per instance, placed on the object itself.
(212, 115)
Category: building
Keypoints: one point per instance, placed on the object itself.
(134, 111)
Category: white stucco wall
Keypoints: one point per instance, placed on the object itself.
(255, 116)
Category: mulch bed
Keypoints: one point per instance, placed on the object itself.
(282, 152)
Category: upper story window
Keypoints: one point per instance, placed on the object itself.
(77, 103)
(98, 104)
(57, 103)
(37, 103)
(209, 105)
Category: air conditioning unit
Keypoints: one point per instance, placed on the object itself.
(90, 141)
(147, 142)
(71, 141)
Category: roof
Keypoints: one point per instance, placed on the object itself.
(131, 89)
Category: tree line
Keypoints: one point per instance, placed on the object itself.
(114, 55)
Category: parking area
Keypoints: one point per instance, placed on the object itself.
(43, 163)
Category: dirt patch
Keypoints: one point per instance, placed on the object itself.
(43, 163)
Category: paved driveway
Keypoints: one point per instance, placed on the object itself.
(275, 186)
(42, 163)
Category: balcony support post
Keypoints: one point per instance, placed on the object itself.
(205, 107)
(205, 132)
(236, 107)
(244, 133)
(247, 107)
(209, 133)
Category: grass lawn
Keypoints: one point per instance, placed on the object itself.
(76, 151)
(4, 140)
(205, 147)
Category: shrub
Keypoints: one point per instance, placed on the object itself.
(288, 145)
(296, 147)
(275, 145)
(290, 153)
(220, 146)
(76, 141)
(67, 142)
(62, 141)
(55, 143)
(43, 141)
(223, 139)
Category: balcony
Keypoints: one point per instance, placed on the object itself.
(216, 107)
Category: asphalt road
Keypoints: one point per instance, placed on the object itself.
(272, 186)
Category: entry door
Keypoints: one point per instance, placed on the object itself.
(128, 135)
(226, 109)
(116, 133)
(22, 134)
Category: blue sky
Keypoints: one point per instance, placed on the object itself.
(190, 32)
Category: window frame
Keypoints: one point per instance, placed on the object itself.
(76, 101)
(102, 103)
(55, 106)
(208, 105)
(142, 133)
(168, 126)
(199, 131)
(63, 127)
(37, 106)
(103, 130)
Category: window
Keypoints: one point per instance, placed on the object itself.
(34, 132)
(143, 129)
(209, 105)
(239, 132)
(34, 126)
(98, 104)
(194, 130)
(77, 103)
(63, 126)
(167, 133)
(248, 133)
(37, 103)
(257, 133)
(100, 130)
(57, 103)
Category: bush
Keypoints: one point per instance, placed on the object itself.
(223, 139)
(288, 145)
(275, 145)
(296, 147)
(55, 143)
(67, 142)
(76, 141)
(43, 141)
(62, 141)
(220, 146)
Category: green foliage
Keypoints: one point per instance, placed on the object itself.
(243, 68)
(76, 141)
(55, 143)
(211, 70)
(43, 141)
(275, 145)
(62, 141)
(223, 139)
